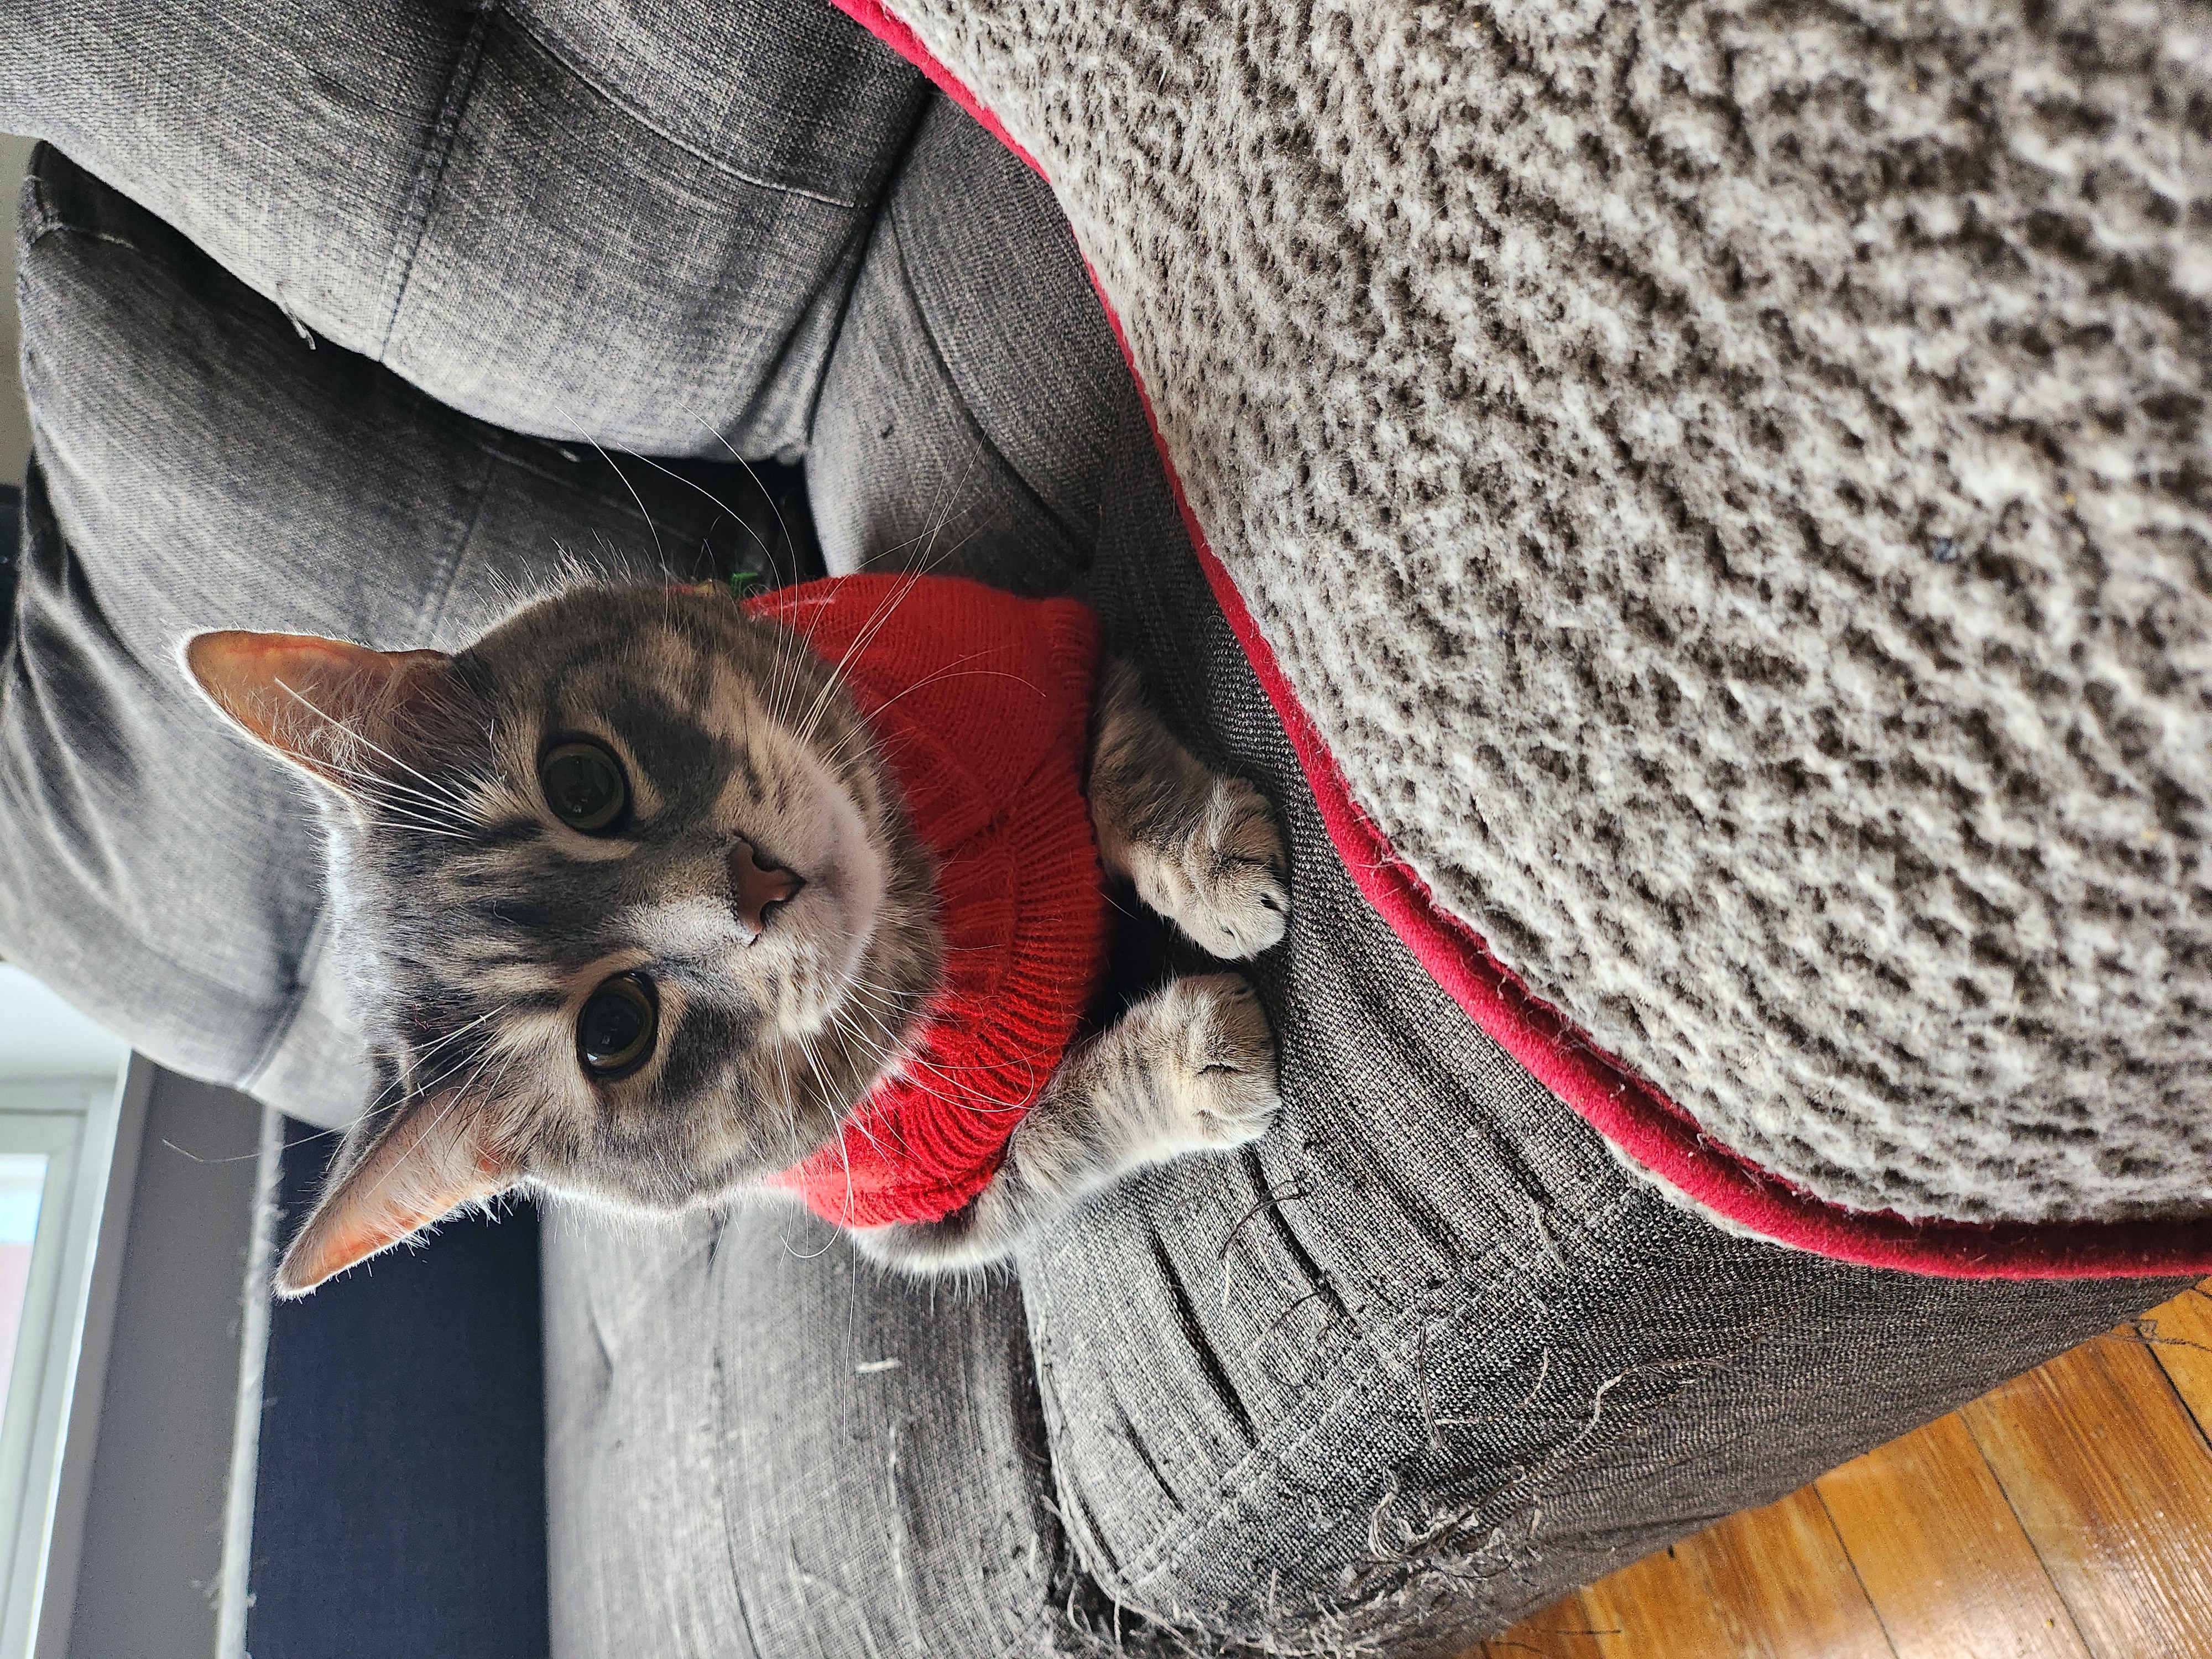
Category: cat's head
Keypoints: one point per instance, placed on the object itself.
(627, 897)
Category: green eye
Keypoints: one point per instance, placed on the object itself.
(615, 1032)
(583, 785)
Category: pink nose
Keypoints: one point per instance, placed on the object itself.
(755, 886)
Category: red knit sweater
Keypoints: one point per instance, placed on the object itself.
(981, 703)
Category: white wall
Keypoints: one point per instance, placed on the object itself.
(42, 1036)
(153, 1524)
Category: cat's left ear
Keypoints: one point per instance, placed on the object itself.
(430, 1160)
(316, 702)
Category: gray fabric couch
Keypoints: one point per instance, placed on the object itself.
(326, 321)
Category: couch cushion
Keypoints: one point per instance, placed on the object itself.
(464, 192)
(200, 464)
(970, 403)
(759, 1445)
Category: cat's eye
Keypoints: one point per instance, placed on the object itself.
(583, 786)
(615, 1032)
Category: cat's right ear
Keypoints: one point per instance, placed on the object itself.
(438, 1156)
(315, 702)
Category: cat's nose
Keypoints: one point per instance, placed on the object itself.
(755, 886)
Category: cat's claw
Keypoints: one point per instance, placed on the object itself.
(1225, 886)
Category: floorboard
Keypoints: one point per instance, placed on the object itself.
(2067, 1515)
(1772, 1583)
(2110, 1477)
(2180, 1338)
(1945, 1561)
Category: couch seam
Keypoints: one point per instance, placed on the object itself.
(34, 224)
(429, 616)
(303, 978)
(630, 111)
(429, 173)
(866, 233)
(967, 409)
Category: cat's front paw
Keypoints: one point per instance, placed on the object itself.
(1226, 883)
(1222, 1087)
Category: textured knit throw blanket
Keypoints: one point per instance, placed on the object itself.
(1720, 495)
(981, 702)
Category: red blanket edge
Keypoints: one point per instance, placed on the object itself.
(1631, 1114)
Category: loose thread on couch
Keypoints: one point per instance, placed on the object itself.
(1263, 1201)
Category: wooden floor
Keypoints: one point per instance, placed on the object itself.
(2067, 1516)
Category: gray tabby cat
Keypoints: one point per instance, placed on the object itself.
(632, 915)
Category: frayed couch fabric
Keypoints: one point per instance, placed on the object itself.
(1425, 1358)
(1727, 486)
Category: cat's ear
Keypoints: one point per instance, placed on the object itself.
(315, 702)
(430, 1160)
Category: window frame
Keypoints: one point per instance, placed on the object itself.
(52, 1413)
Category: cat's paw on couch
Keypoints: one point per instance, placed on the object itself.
(1220, 1070)
(1226, 885)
